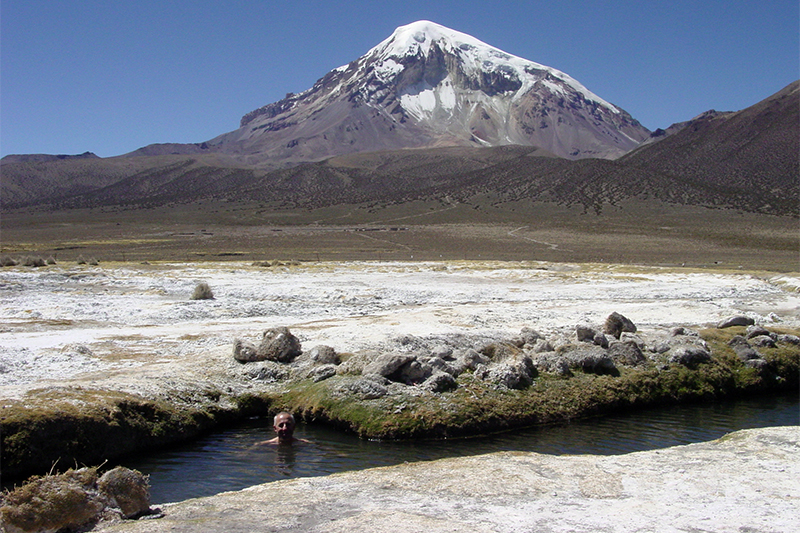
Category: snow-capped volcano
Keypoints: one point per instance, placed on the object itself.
(425, 86)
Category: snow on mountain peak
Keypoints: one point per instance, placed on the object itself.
(475, 55)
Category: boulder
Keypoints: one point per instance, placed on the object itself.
(412, 373)
(593, 360)
(127, 490)
(757, 331)
(387, 364)
(529, 336)
(552, 363)
(689, 355)
(758, 364)
(742, 348)
(736, 320)
(356, 363)
(512, 376)
(601, 340)
(763, 341)
(278, 344)
(366, 389)
(244, 352)
(789, 339)
(542, 345)
(468, 359)
(683, 331)
(439, 382)
(585, 333)
(616, 324)
(321, 372)
(321, 355)
(501, 351)
(626, 353)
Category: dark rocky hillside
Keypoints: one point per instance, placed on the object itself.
(746, 161)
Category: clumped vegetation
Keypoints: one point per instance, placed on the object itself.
(76, 498)
(202, 292)
(34, 262)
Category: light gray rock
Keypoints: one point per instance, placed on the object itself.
(387, 364)
(321, 355)
(468, 359)
(366, 389)
(321, 373)
(552, 363)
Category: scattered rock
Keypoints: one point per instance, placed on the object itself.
(626, 353)
(469, 359)
(737, 320)
(366, 388)
(593, 360)
(683, 331)
(244, 352)
(267, 372)
(552, 363)
(278, 344)
(322, 372)
(758, 364)
(320, 355)
(789, 339)
(616, 324)
(756, 331)
(763, 341)
(387, 364)
(743, 350)
(689, 355)
(585, 333)
(439, 382)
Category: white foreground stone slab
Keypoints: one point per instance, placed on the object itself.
(744, 482)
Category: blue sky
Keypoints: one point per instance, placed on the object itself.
(111, 76)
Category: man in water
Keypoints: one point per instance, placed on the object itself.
(284, 425)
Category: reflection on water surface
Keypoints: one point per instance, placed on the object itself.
(232, 459)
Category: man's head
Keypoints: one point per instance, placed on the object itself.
(284, 426)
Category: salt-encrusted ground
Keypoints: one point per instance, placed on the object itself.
(68, 321)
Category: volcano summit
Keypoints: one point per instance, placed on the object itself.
(430, 86)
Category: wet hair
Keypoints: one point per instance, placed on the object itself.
(284, 413)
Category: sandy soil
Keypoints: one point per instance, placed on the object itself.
(68, 321)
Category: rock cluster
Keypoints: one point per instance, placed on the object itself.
(434, 364)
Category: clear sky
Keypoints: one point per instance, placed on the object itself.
(110, 76)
